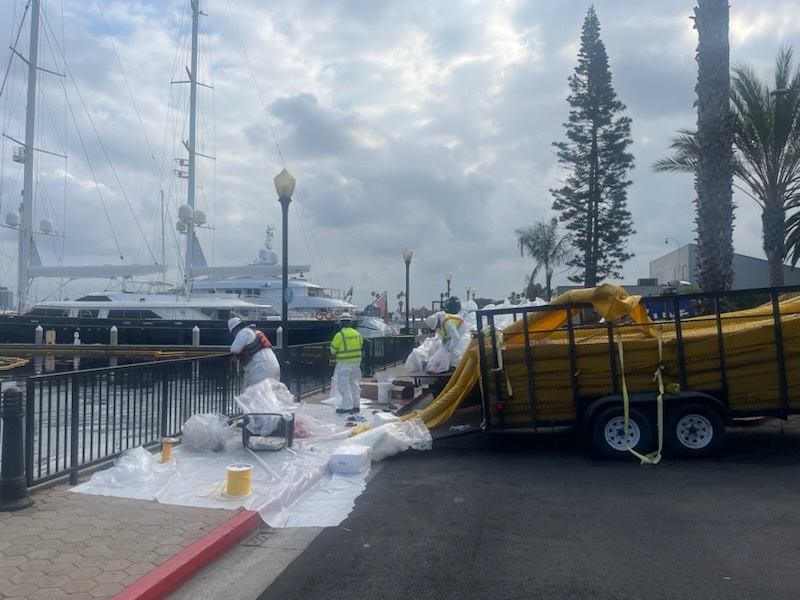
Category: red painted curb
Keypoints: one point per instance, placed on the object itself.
(168, 577)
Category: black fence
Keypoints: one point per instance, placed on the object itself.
(309, 367)
(76, 420)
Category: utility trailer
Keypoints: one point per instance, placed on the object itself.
(596, 359)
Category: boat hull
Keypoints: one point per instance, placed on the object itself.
(16, 329)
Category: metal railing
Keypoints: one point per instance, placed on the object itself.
(75, 420)
(310, 366)
(78, 419)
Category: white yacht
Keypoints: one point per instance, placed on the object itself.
(261, 282)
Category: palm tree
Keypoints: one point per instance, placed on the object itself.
(715, 133)
(542, 243)
(766, 155)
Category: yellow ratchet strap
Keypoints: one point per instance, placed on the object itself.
(652, 458)
(498, 356)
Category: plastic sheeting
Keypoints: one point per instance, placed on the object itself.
(293, 487)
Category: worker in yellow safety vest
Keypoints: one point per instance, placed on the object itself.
(449, 326)
(346, 349)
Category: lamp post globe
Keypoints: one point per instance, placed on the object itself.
(407, 254)
(284, 186)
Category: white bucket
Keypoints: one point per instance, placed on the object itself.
(384, 392)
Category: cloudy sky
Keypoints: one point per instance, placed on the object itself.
(426, 125)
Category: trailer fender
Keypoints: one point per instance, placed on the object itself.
(685, 396)
(640, 400)
(646, 402)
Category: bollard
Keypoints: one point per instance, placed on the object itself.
(13, 487)
(195, 336)
(114, 335)
(38, 335)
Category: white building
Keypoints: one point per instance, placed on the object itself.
(748, 272)
(680, 266)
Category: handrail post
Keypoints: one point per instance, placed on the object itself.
(75, 404)
(13, 486)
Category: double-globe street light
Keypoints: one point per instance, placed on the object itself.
(407, 254)
(284, 185)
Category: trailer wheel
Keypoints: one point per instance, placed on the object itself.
(694, 431)
(608, 433)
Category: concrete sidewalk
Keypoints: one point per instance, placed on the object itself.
(78, 546)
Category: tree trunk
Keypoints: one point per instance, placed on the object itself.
(715, 132)
(773, 222)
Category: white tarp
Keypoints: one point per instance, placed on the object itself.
(293, 487)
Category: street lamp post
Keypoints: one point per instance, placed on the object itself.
(678, 274)
(284, 185)
(448, 277)
(407, 254)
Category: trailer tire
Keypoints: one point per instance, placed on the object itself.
(608, 433)
(694, 431)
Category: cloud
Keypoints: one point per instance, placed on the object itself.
(419, 124)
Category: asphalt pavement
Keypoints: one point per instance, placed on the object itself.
(535, 516)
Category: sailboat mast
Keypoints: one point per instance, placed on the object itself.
(26, 224)
(187, 275)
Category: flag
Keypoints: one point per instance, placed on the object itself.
(382, 305)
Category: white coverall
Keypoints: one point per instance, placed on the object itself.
(348, 383)
(348, 343)
(264, 363)
(451, 340)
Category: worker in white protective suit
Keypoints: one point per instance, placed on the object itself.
(346, 350)
(449, 326)
(254, 351)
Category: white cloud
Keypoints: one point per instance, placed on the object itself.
(419, 124)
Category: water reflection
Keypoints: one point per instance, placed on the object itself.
(14, 372)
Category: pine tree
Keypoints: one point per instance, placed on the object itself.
(593, 201)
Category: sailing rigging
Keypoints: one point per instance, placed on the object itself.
(135, 311)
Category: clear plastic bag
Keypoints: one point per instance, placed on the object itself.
(268, 396)
(207, 432)
(439, 362)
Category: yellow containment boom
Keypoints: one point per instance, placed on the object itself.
(610, 301)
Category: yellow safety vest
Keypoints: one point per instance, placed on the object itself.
(447, 319)
(346, 346)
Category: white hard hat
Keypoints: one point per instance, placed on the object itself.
(345, 317)
(233, 323)
(432, 321)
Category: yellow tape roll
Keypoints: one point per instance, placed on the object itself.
(239, 477)
(166, 448)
